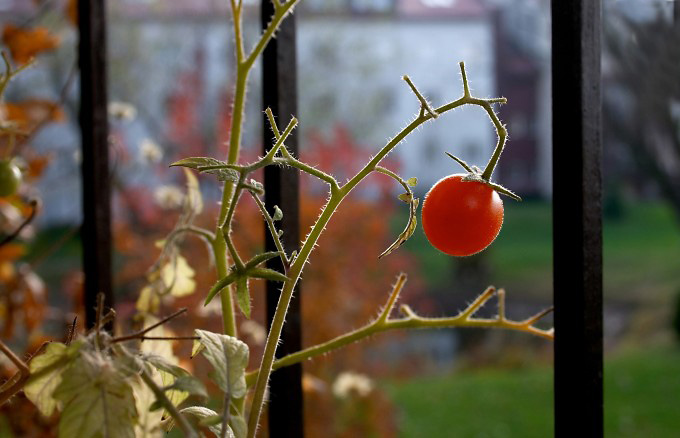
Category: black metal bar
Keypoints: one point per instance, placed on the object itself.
(279, 92)
(577, 223)
(96, 229)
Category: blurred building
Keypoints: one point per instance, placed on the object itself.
(164, 56)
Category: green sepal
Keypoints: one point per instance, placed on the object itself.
(261, 258)
(221, 284)
(221, 169)
(243, 296)
(267, 274)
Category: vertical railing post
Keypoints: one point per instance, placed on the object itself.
(577, 223)
(96, 229)
(279, 92)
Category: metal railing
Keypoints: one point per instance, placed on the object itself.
(577, 235)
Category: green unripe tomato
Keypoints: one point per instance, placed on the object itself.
(10, 178)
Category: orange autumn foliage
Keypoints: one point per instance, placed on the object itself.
(28, 114)
(24, 44)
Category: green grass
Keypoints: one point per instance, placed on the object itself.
(642, 390)
(641, 253)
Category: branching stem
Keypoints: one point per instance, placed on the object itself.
(334, 201)
(411, 320)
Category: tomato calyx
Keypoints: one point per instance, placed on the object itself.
(475, 174)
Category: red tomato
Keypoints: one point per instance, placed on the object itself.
(461, 218)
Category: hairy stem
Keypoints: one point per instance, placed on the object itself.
(410, 320)
(282, 309)
(296, 268)
(181, 421)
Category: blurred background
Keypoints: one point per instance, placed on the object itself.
(171, 70)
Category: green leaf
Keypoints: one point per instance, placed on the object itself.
(261, 258)
(243, 296)
(229, 358)
(406, 197)
(176, 396)
(413, 181)
(221, 169)
(217, 287)
(190, 385)
(211, 420)
(46, 374)
(278, 214)
(203, 414)
(97, 399)
(238, 426)
(163, 364)
(267, 274)
(408, 231)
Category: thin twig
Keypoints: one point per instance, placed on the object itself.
(396, 290)
(272, 231)
(34, 210)
(63, 94)
(100, 312)
(141, 333)
(158, 338)
(424, 105)
(18, 382)
(71, 332)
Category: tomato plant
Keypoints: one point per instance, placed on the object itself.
(461, 217)
(130, 380)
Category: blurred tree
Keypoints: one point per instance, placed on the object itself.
(642, 98)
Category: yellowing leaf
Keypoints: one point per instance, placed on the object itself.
(46, 375)
(194, 200)
(229, 357)
(408, 231)
(149, 422)
(178, 276)
(97, 399)
(160, 355)
(148, 301)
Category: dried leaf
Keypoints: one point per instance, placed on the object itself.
(408, 231)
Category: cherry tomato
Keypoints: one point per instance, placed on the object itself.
(461, 218)
(10, 178)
